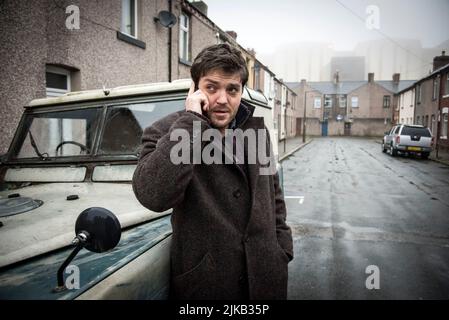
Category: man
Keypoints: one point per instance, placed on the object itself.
(230, 239)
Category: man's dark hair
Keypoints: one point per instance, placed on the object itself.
(219, 57)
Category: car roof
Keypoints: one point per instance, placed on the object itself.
(181, 85)
(413, 125)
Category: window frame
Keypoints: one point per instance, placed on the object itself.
(444, 124)
(184, 29)
(418, 94)
(345, 99)
(315, 104)
(356, 105)
(386, 102)
(435, 88)
(135, 24)
(329, 106)
(55, 92)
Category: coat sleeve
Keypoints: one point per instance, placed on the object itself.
(283, 231)
(158, 183)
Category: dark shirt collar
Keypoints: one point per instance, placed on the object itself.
(244, 112)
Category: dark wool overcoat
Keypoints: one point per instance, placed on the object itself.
(230, 239)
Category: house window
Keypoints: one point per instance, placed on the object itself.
(129, 18)
(256, 77)
(355, 102)
(184, 26)
(342, 101)
(435, 89)
(418, 119)
(327, 101)
(418, 94)
(57, 81)
(317, 103)
(432, 124)
(386, 103)
(426, 122)
(444, 126)
(402, 120)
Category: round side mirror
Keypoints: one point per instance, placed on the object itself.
(102, 227)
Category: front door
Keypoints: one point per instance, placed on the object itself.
(347, 128)
(324, 128)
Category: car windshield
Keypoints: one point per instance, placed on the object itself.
(414, 131)
(51, 135)
(58, 134)
(125, 124)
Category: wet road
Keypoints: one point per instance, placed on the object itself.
(351, 206)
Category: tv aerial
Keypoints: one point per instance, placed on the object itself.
(166, 19)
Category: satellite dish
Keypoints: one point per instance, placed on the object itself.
(166, 19)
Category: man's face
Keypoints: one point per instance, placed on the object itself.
(224, 92)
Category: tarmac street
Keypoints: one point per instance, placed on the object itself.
(366, 225)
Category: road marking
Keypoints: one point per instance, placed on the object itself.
(301, 198)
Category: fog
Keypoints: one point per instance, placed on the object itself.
(414, 30)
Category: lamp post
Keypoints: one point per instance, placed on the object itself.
(304, 117)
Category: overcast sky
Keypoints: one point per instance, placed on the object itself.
(267, 24)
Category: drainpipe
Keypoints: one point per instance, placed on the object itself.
(170, 9)
(437, 120)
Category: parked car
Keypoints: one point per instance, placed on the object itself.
(408, 139)
(76, 154)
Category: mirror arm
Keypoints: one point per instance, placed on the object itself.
(80, 241)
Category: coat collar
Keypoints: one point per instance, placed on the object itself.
(244, 112)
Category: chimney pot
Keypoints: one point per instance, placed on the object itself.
(233, 34)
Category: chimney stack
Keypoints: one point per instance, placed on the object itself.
(200, 6)
(440, 61)
(336, 77)
(396, 78)
(233, 34)
(371, 77)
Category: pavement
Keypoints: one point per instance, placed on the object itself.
(443, 157)
(289, 146)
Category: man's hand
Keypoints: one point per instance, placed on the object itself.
(197, 101)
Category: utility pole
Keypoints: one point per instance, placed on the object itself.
(304, 118)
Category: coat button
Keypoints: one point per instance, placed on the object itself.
(237, 193)
(245, 239)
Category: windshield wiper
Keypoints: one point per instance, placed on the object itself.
(42, 156)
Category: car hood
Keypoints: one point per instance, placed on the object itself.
(52, 225)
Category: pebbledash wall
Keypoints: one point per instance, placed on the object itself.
(95, 56)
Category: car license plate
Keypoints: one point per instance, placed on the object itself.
(414, 148)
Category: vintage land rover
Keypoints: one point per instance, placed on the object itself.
(65, 186)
